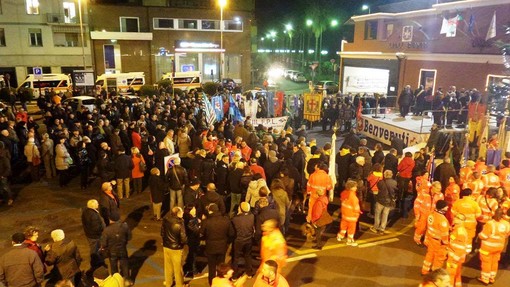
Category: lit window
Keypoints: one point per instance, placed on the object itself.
(233, 25)
(69, 12)
(32, 7)
(129, 24)
(210, 25)
(35, 37)
(188, 24)
(2, 37)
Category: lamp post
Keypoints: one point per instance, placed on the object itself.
(222, 4)
(290, 31)
(81, 34)
(365, 7)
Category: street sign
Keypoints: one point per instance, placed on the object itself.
(38, 72)
(332, 61)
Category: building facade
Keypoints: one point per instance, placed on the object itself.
(43, 34)
(447, 44)
(158, 37)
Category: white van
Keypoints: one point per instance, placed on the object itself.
(121, 82)
(59, 83)
(185, 81)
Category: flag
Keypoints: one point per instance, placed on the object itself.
(491, 33)
(502, 134)
(471, 24)
(217, 103)
(484, 138)
(449, 27)
(234, 111)
(210, 115)
(250, 108)
(312, 106)
(278, 103)
(465, 151)
(332, 172)
(359, 117)
(431, 166)
(444, 26)
(270, 104)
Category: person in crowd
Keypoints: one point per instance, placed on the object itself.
(31, 237)
(436, 278)
(217, 231)
(272, 245)
(123, 168)
(62, 162)
(320, 217)
(33, 156)
(405, 100)
(282, 202)
(48, 156)
(224, 276)
(84, 162)
(457, 249)
(109, 202)
(210, 196)
(235, 188)
(423, 206)
(177, 178)
(244, 226)
(405, 174)
(20, 266)
(319, 180)
(65, 256)
(192, 224)
(93, 226)
(269, 276)
(102, 278)
(114, 242)
(157, 187)
(436, 238)
(385, 200)
(174, 237)
(373, 178)
(5, 172)
(351, 211)
(139, 167)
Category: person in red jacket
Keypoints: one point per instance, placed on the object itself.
(320, 206)
(405, 173)
(350, 210)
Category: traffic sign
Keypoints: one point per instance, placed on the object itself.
(38, 72)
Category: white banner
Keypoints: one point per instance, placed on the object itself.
(383, 132)
(365, 80)
(278, 122)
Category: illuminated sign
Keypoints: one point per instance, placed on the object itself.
(186, 46)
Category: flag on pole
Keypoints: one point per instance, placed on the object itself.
(491, 33)
(217, 103)
(471, 24)
(484, 139)
(332, 172)
(449, 26)
(210, 114)
(444, 26)
(431, 166)
(234, 111)
(465, 151)
(359, 117)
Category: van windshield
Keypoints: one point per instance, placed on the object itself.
(46, 84)
(88, 102)
(186, 80)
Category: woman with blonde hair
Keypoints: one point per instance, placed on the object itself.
(138, 170)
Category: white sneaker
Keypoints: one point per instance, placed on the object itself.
(352, 243)
(339, 238)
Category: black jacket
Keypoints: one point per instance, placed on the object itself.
(157, 187)
(123, 166)
(244, 226)
(272, 169)
(264, 214)
(208, 198)
(391, 163)
(93, 223)
(190, 196)
(387, 191)
(221, 177)
(107, 206)
(234, 181)
(66, 257)
(177, 177)
(115, 238)
(217, 231)
(173, 232)
(192, 230)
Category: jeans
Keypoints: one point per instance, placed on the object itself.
(115, 261)
(176, 197)
(137, 185)
(123, 186)
(381, 216)
(235, 200)
(173, 267)
(5, 190)
(95, 259)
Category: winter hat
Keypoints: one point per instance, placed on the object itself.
(31, 140)
(18, 237)
(58, 235)
(440, 204)
(245, 206)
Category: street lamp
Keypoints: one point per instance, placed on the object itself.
(81, 34)
(365, 7)
(222, 4)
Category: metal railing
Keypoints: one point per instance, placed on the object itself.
(59, 18)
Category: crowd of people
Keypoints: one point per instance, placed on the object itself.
(230, 182)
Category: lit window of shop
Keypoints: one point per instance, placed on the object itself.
(129, 24)
(187, 62)
(163, 23)
(32, 7)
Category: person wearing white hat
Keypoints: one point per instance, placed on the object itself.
(65, 256)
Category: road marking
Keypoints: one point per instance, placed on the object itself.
(306, 256)
(379, 242)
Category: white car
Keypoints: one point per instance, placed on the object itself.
(300, 78)
(81, 101)
(288, 73)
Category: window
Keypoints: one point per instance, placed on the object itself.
(69, 12)
(35, 36)
(32, 7)
(370, 30)
(210, 25)
(389, 30)
(163, 23)
(67, 39)
(188, 24)
(233, 25)
(129, 24)
(2, 37)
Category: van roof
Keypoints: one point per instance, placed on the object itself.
(50, 75)
(184, 74)
(122, 74)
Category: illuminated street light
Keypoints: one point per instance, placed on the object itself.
(365, 7)
(81, 35)
(222, 4)
(288, 27)
(334, 23)
(309, 22)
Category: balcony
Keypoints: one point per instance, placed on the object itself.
(115, 34)
(60, 18)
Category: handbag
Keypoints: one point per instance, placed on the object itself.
(324, 220)
(143, 166)
(36, 160)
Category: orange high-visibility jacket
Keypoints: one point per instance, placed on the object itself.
(318, 180)
(490, 180)
(493, 236)
(452, 193)
(470, 208)
(438, 229)
(459, 240)
(422, 184)
(476, 185)
(465, 174)
(488, 206)
(350, 206)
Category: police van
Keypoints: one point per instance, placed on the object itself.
(58, 83)
(121, 82)
(185, 81)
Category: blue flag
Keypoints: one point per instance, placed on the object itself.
(270, 104)
(217, 104)
(209, 111)
(234, 111)
(471, 24)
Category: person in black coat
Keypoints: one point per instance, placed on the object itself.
(221, 178)
(404, 100)
(173, 233)
(299, 161)
(391, 161)
(109, 203)
(244, 226)
(93, 226)
(159, 158)
(192, 192)
(378, 154)
(114, 241)
(265, 212)
(65, 256)
(123, 166)
(272, 167)
(192, 224)
(217, 231)
(157, 187)
(352, 140)
(210, 196)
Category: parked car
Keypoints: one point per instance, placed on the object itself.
(293, 75)
(288, 73)
(300, 78)
(330, 86)
(81, 101)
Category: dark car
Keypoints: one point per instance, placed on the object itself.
(330, 86)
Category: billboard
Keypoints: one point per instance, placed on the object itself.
(365, 80)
